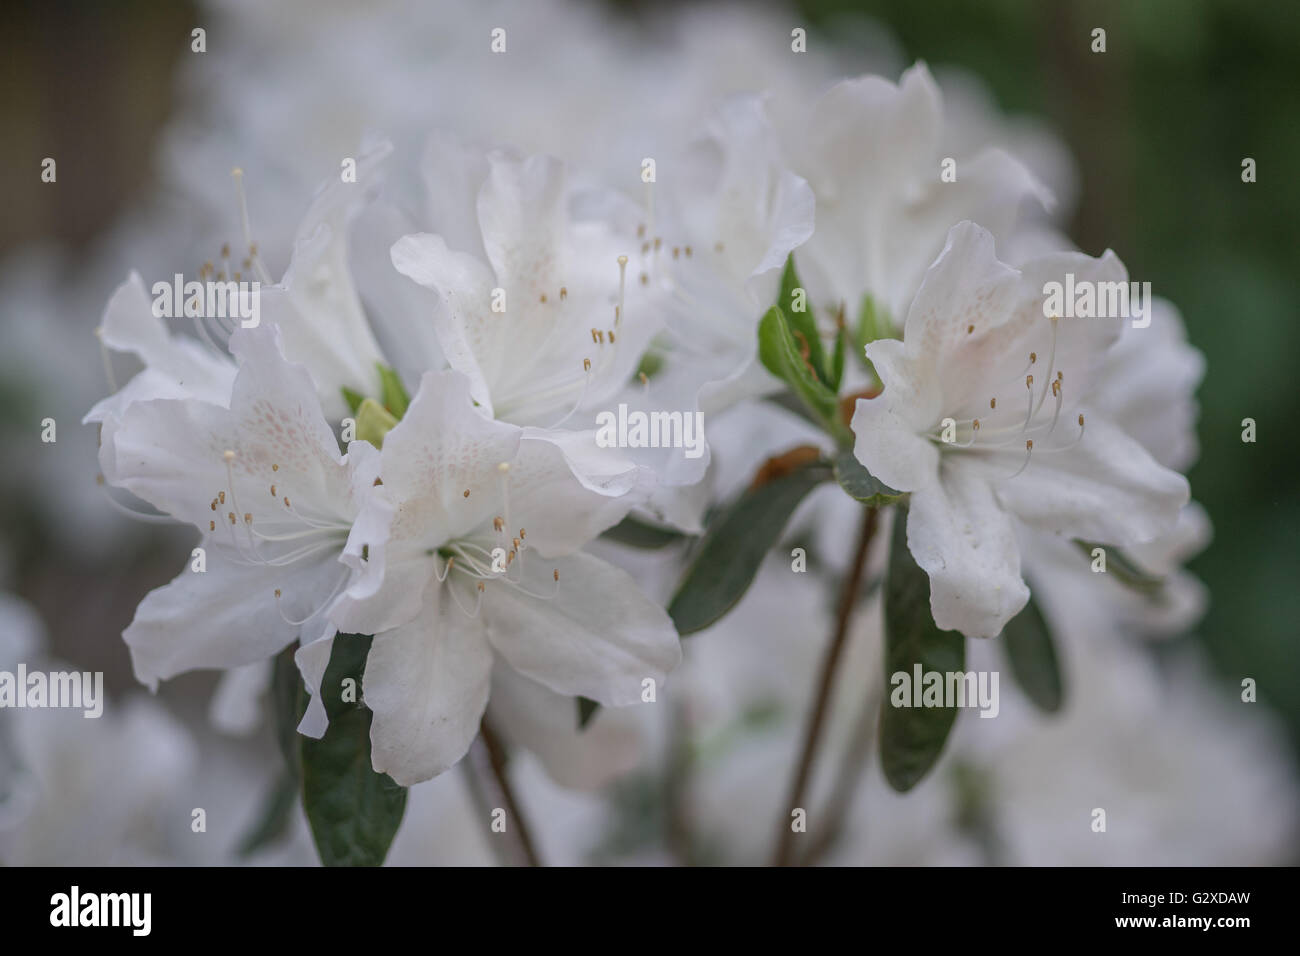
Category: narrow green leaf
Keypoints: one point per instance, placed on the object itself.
(861, 484)
(779, 353)
(793, 302)
(354, 812)
(586, 710)
(1125, 569)
(837, 359)
(1031, 654)
(911, 737)
(730, 554)
(639, 534)
(352, 397)
(393, 393)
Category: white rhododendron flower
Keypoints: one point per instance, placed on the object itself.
(265, 484)
(985, 414)
(468, 560)
(871, 151)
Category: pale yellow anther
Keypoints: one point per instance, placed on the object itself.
(221, 497)
(556, 573)
(228, 455)
(481, 587)
(1029, 381)
(993, 403)
(586, 365)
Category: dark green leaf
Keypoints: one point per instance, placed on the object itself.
(354, 812)
(639, 534)
(730, 554)
(274, 817)
(393, 395)
(780, 355)
(1125, 569)
(911, 738)
(793, 302)
(586, 710)
(1032, 656)
(860, 483)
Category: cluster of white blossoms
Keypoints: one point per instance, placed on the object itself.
(404, 451)
(445, 512)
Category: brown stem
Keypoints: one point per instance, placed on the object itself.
(497, 760)
(848, 597)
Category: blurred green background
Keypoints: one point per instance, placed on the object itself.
(1158, 125)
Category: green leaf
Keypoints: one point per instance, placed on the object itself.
(803, 324)
(274, 817)
(780, 355)
(353, 398)
(354, 812)
(730, 554)
(837, 361)
(288, 701)
(392, 394)
(861, 484)
(911, 738)
(1032, 656)
(639, 534)
(586, 710)
(1125, 569)
(873, 324)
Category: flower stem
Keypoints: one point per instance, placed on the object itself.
(517, 823)
(825, 683)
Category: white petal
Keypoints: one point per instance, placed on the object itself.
(598, 636)
(427, 684)
(171, 452)
(1105, 488)
(469, 332)
(227, 615)
(529, 715)
(316, 306)
(175, 366)
(961, 537)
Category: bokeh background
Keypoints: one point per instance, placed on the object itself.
(1158, 127)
